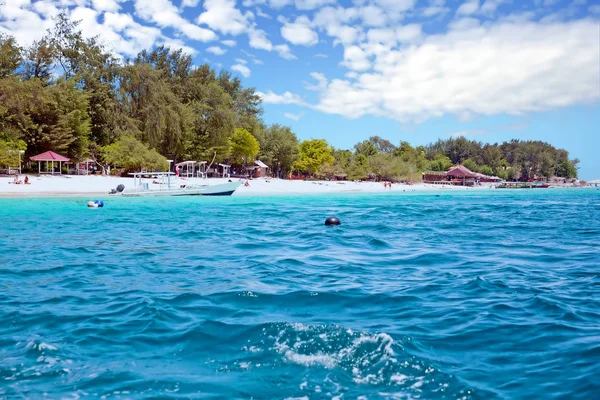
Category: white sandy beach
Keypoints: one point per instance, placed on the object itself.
(72, 185)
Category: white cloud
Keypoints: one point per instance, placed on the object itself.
(284, 52)
(106, 5)
(216, 50)
(493, 69)
(435, 7)
(372, 16)
(293, 117)
(229, 43)
(258, 40)
(355, 59)
(242, 69)
(189, 3)
(241, 61)
(489, 7)
(223, 16)
(285, 98)
(165, 14)
(321, 55)
(299, 32)
(468, 7)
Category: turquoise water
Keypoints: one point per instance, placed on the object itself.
(470, 295)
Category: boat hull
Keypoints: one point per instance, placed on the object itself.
(224, 189)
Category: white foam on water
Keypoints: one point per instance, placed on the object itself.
(398, 379)
(309, 360)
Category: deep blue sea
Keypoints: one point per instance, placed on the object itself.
(483, 295)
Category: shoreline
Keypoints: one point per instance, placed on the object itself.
(72, 186)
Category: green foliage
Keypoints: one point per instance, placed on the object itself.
(440, 163)
(9, 151)
(244, 146)
(10, 55)
(471, 164)
(313, 154)
(486, 170)
(566, 169)
(133, 155)
(280, 149)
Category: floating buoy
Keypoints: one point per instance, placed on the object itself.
(332, 221)
(95, 204)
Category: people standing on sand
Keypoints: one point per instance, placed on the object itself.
(177, 171)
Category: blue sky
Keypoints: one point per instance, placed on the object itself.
(414, 70)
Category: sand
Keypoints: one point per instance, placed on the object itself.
(70, 185)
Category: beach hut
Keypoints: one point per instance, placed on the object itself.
(258, 170)
(51, 157)
(461, 175)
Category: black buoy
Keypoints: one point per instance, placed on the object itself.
(332, 221)
(120, 188)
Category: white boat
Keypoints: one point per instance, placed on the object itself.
(163, 187)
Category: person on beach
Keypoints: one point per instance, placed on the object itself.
(247, 184)
(16, 181)
(177, 171)
(27, 180)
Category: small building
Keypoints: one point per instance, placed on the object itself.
(49, 157)
(258, 170)
(461, 175)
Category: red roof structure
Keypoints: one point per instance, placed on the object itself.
(460, 171)
(49, 156)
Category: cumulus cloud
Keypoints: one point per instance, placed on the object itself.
(165, 14)
(284, 98)
(216, 50)
(299, 32)
(242, 69)
(223, 16)
(468, 7)
(501, 68)
(229, 43)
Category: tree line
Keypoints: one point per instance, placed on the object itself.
(69, 94)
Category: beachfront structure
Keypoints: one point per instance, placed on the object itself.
(220, 170)
(49, 157)
(258, 170)
(457, 175)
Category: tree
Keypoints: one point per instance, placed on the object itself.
(486, 170)
(10, 55)
(440, 163)
(313, 154)
(280, 149)
(471, 164)
(133, 155)
(244, 146)
(566, 169)
(366, 148)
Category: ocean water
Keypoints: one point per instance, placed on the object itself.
(483, 295)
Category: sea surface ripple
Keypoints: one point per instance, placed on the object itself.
(491, 295)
